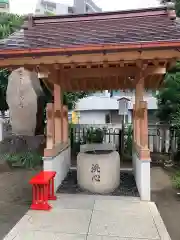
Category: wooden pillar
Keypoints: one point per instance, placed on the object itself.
(144, 125)
(65, 124)
(58, 111)
(134, 123)
(138, 99)
(50, 128)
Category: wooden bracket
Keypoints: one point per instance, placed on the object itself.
(57, 113)
(140, 113)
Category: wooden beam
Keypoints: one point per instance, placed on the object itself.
(81, 73)
(11, 69)
(30, 68)
(94, 58)
(156, 62)
(172, 63)
(157, 81)
(139, 63)
(43, 75)
(107, 84)
(121, 63)
(48, 86)
(155, 71)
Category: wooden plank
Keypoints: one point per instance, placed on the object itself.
(104, 85)
(130, 56)
(155, 71)
(81, 73)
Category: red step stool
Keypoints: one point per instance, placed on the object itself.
(42, 190)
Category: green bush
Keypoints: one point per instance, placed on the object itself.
(23, 159)
(94, 135)
(129, 141)
(176, 180)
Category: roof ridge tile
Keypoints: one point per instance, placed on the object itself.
(101, 16)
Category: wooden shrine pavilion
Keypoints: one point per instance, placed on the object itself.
(99, 51)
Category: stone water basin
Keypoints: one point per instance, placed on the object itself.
(98, 170)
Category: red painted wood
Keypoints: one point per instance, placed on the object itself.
(51, 195)
(42, 190)
(43, 177)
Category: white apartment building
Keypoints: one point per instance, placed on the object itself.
(103, 108)
(49, 7)
(4, 5)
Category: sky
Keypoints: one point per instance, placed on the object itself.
(28, 6)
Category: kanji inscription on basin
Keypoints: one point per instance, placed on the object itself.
(96, 172)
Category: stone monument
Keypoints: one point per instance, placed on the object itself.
(22, 96)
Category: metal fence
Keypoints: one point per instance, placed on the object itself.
(111, 134)
(162, 139)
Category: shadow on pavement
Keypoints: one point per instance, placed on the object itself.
(15, 197)
(166, 200)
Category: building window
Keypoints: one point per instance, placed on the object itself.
(87, 8)
(70, 10)
(107, 118)
(48, 13)
(3, 5)
(50, 8)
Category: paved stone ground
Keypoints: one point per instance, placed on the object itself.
(82, 217)
(15, 198)
(166, 200)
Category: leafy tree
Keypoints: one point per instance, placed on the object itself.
(10, 23)
(3, 87)
(70, 98)
(169, 96)
(177, 5)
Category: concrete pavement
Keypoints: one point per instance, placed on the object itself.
(82, 217)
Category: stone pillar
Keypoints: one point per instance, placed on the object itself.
(58, 111)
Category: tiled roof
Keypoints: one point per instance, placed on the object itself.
(126, 27)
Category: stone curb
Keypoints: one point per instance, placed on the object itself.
(163, 233)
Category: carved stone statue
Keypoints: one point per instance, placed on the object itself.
(22, 95)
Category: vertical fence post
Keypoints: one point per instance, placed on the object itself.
(120, 141)
(163, 146)
(72, 138)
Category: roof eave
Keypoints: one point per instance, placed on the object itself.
(173, 44)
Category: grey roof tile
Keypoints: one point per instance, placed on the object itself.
(104, 28)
